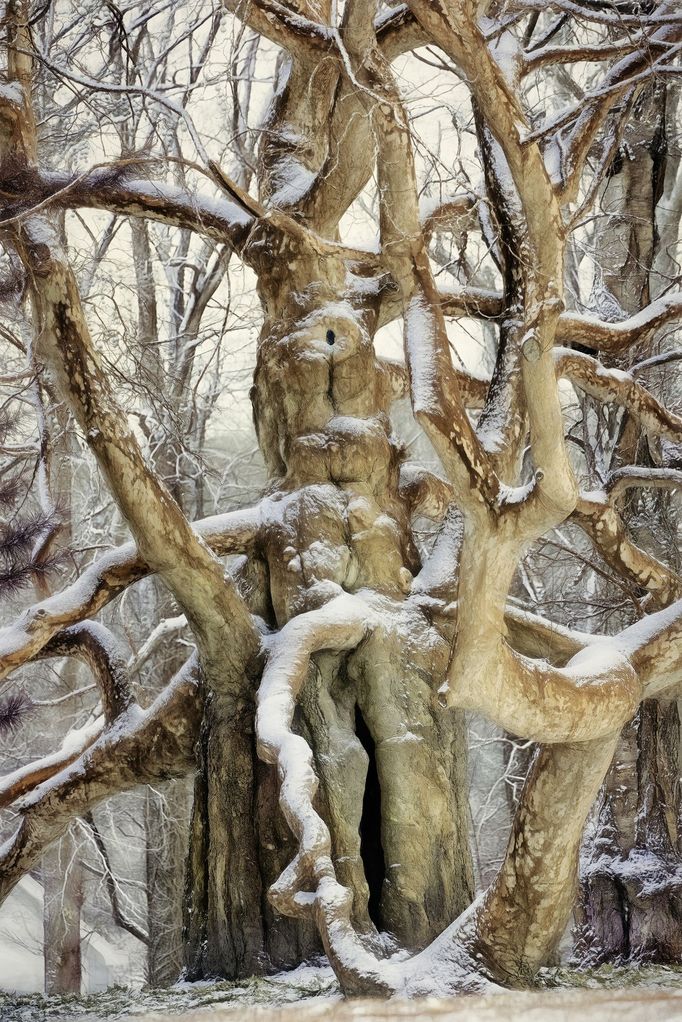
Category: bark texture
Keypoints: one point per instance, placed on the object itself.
(629, 906)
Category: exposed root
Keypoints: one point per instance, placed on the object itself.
(308, 887)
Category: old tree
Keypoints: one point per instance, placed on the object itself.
(339, 650)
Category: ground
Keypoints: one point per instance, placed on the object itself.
(310, 994)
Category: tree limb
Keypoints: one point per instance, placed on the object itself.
(593, 378)
(145, 746)
(107, 578)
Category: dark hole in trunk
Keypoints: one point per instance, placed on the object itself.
(371, 850)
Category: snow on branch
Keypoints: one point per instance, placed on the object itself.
(114, 188)
(26, 778)
(594, 379)
(107, 578)
(283, 26)
(439, 408)
(614, 337)
(593, 696)
(161, 632)
(553, 55)
(309, 886)
(623, 479)
(398, 31)
(141, 747)
(480, 303)
(664, 14)
(598, 516)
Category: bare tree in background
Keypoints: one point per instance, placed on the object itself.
(318, 661)
(629, 906)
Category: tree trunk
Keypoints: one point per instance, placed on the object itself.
(62, 883)
(627, 907)
(166, 816)
(392, 766)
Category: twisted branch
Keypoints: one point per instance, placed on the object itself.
(308, 887)
(142, 747)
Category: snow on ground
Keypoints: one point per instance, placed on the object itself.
(548, 1006)
(307, 981)
(310, 994)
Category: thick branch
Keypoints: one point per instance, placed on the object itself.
(309, 885)
(145, 747)
(26, 778)
(597, 514)
(615, 337)
(594, 379)
(100, 649)
(107, 578)
(592, 696)
(283, 26)
(111, 188)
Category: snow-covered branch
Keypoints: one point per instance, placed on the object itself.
(340, 625)
(142, 746)
(598, 515)
(231, 533)
(593, 378)
(615, 337)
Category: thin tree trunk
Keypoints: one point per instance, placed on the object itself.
(63, 893)
(166, 826)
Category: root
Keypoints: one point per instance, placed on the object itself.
(308, 887)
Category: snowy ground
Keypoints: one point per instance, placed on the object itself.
(310, 994)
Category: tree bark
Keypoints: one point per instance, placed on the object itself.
(63, 894)
(166, 837)
(627, 909)
(335, 520)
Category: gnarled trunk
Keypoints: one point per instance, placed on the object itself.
(392, 766)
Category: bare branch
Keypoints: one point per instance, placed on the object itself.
(112, 886)
(605, 384)
(145, 747)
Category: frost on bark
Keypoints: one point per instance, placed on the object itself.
(322, 709)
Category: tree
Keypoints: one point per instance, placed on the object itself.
(318, 660)
(628, 912)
